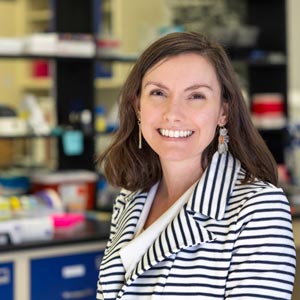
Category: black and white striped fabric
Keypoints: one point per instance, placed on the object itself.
(229, 241)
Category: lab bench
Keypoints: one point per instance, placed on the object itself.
(65, 267)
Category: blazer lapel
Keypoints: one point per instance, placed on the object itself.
(215, 187)
(208, 200)
(183, 231)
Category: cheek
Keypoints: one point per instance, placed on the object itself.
(144, 108)
(207, 129)
(148, 113)
(147, 121)
(207, 119)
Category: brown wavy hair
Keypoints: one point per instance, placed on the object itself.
(126, 166)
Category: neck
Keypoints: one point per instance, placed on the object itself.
(177, 180)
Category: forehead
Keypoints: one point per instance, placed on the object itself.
(185, 66)
(184, 58)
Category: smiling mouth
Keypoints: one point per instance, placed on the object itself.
(175, 133)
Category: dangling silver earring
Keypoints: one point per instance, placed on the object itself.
(223, 140)
(140, 134)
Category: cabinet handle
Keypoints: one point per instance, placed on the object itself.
(73, 271)
(4, 276)
(67, 295)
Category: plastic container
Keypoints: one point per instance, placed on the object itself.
(76, 188)
(100, 119)
(67, 220)
(13, 185)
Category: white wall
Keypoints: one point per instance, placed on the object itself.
(293, 27)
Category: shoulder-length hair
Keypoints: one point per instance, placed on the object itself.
(131, 168)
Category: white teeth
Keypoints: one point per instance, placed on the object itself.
(175, 133)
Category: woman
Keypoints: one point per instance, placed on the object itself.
(199, 215)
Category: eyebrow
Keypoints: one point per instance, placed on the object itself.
(197, 86)
(190, 88)
(156, 84)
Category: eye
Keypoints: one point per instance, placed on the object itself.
(197, 96)
(159, 93)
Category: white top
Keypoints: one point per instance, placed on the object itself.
(132, 252)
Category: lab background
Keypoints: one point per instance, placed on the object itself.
(62, 65)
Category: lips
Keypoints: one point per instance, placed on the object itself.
(175, 133)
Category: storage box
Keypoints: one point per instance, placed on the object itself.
(76, 188)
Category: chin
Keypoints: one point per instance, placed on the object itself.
(175, 156)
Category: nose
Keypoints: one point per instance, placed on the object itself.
(173, 110)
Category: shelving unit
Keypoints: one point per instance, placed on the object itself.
(72, 83)
(264, 63)
(269, 76)
(33, 16)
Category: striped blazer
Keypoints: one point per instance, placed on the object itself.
(229, 241)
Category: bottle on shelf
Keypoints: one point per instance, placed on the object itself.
(100, 119)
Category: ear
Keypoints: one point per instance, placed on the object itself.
(224, 114)
(136, 106)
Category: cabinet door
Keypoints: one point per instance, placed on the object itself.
(65, 277)
(6, 281)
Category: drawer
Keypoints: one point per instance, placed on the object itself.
(6, 281)
(65, 277)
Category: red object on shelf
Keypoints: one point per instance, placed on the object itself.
(267, 103)
(261, 108)
(268, 110)
(40, 68)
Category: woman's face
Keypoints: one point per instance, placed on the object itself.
(180, 107)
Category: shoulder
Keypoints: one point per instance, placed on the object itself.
(125, 197)
(257, 188)
(260, 198)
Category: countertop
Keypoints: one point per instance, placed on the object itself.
(88, 231)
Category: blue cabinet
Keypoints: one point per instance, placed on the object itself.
(65, 277)
(6, 281)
